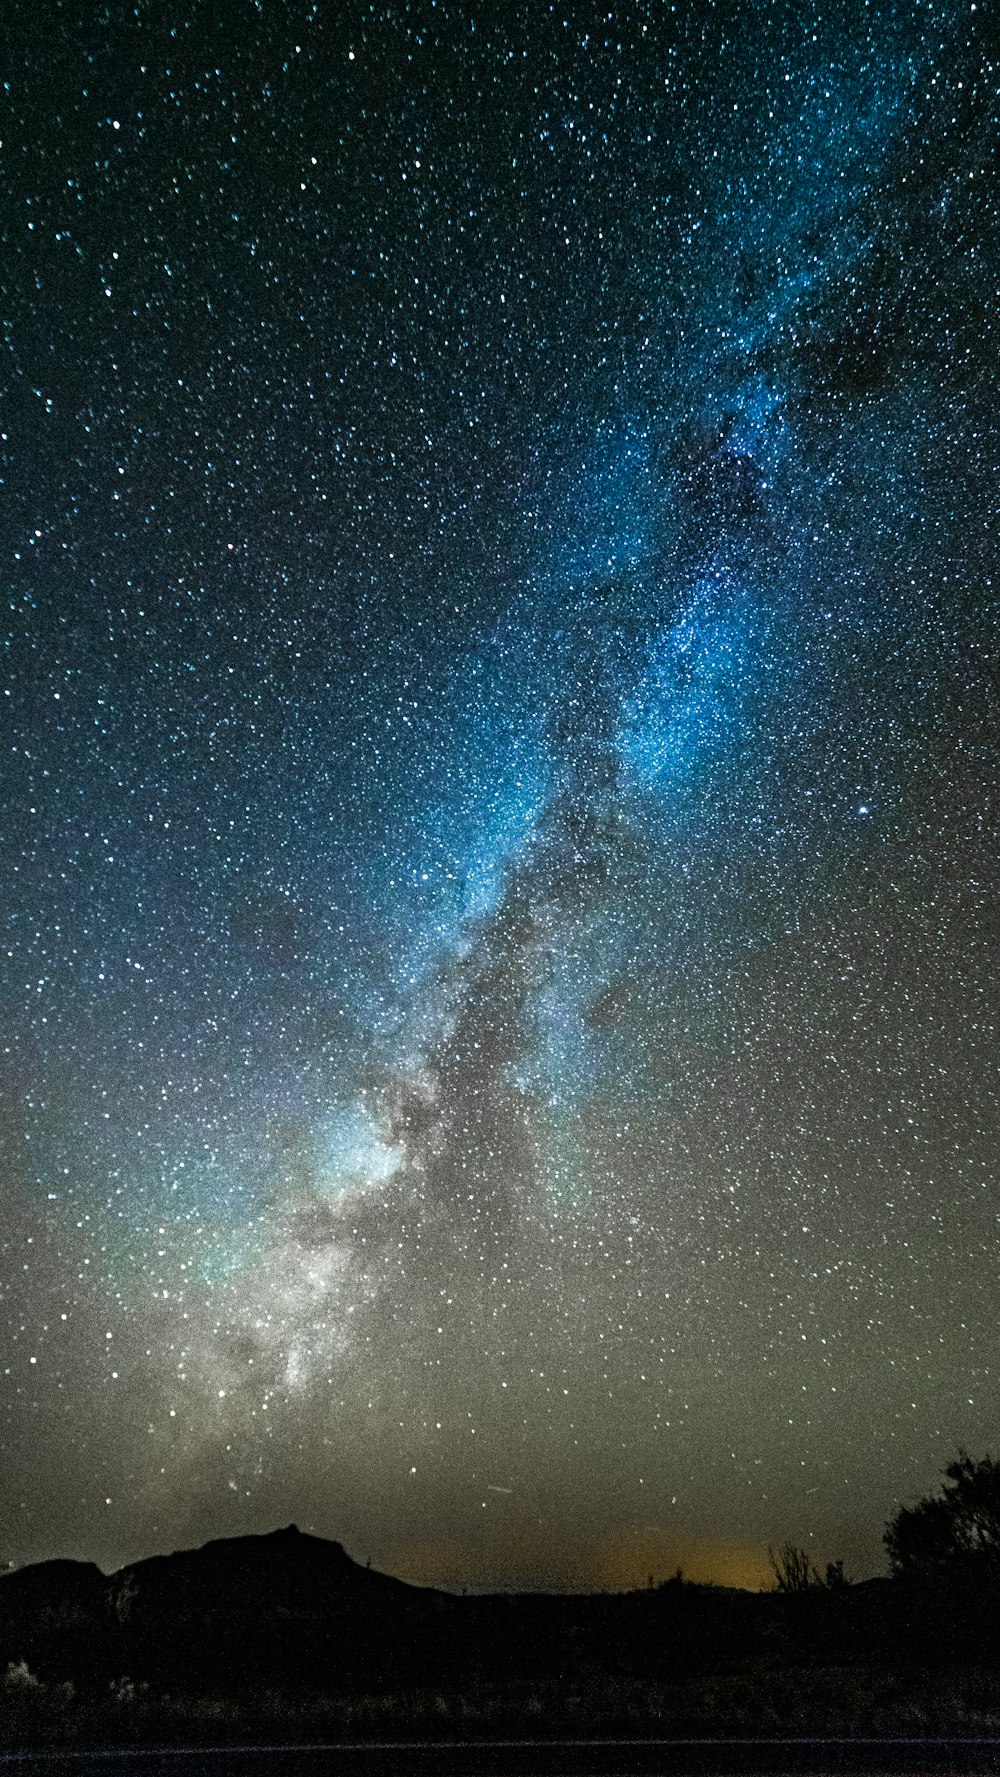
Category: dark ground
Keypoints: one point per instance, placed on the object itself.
(803, 1758)
(281, 1639)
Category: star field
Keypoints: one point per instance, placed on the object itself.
(499, 769)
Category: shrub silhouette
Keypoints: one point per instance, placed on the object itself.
(957, 1528)
(793, 1570)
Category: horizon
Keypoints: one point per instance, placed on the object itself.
(714, 1568)
(458, 1588)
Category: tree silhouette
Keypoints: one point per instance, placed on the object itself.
(953, 1529)
(793, 1570)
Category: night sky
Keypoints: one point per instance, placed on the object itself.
(498, 1012)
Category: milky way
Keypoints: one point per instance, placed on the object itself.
(499, 981)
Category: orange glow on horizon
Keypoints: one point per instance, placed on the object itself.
(626, 1563)
(528, 1560)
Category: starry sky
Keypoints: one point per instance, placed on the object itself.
(498, 999)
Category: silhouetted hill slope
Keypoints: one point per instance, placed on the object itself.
(52, 1590)
(285, 1571)
(293, 1611)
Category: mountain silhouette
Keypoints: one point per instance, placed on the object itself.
(286, 1628)
(291, 1609)
(281, 1607)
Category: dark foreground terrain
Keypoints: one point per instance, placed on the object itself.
(282, 1639)
(599, 1758)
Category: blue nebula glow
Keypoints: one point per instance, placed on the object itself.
(606, 510)
(691, 702)
(353, 1154)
